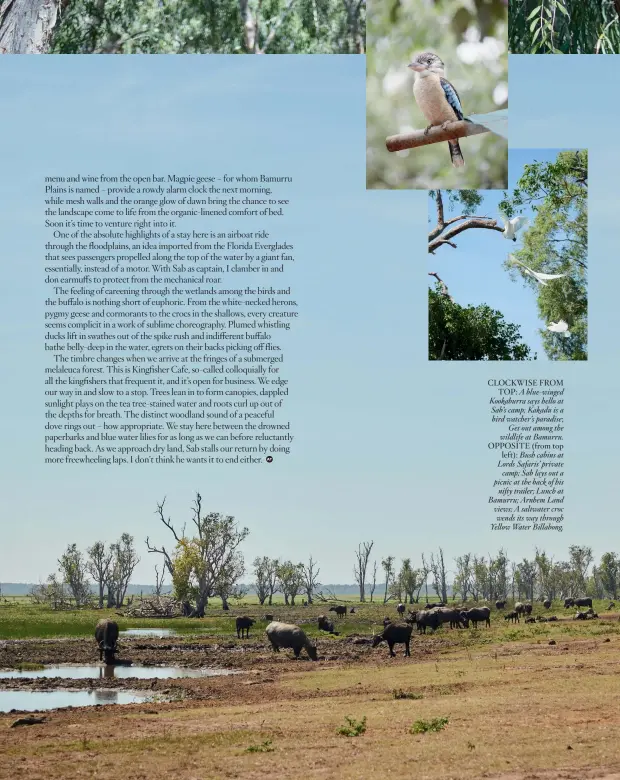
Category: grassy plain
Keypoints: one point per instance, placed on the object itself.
(511, 702)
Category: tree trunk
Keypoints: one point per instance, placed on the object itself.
(26, 26)
(101, 590)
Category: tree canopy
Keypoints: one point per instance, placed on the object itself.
(557, 241)
(564, 26)
(211, 26)
(470, 332)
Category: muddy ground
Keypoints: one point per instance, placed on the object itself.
(517, 711)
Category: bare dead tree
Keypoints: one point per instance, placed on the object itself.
(374, 581)
(362, 555)
(311, 579)
(438, 570)
(159, 580)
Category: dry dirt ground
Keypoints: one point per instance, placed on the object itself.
(515, 711)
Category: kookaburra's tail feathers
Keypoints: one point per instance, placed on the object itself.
(455, 154)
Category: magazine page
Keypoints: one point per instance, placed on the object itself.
(250, 526)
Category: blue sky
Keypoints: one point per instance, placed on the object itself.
(389, 446)
(475, 273)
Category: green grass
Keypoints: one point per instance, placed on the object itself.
(352, 727)
(426, 726)
(264, 747)
(20, 619)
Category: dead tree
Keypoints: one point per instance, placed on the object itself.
(362, 555)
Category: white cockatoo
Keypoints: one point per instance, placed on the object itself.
(512, 225)
(559, 327)
(540, 277)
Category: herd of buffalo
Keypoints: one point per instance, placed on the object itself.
(433, 616)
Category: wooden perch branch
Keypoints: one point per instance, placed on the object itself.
(460, 129)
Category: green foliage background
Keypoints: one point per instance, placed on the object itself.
(209, 27)
(396, 30)
(564, 26)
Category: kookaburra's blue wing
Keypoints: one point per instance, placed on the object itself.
(452, 96)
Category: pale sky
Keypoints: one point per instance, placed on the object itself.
(389, 446)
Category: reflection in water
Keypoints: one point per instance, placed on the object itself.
(160, 633)
(120, 672)
(36, 701)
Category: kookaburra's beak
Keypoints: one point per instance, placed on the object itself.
(416, 66)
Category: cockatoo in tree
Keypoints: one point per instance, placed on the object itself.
(559, 327)
(540, 277)
(512, 225)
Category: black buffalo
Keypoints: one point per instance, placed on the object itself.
(394, 634)
(243, 625)
(106, 634)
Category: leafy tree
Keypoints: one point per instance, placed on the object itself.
(291, 577)
(98, 566)
(207, 563)
(609, 572)
(265, 578)
(470, 332)
(564, 26)
(74, 571)
(388, 568)
(123, 562)
(557, 242)
(455, 30)
(409, 580)
(211, 27)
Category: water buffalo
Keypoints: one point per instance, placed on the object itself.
(513, 617)
(581, 616)
(530, 620)
(527, 608)
(500, 604)
(386, 621)
(268, 618)
(394, 634)
(289, 635)
(326, 625)
(611, 605)
(243, 625)
(540, 619)
(547, 604)
(584, 602)
(340, 611)
(427, 618)
(520, 608)
(428, 605)
(352, 610)
(106, 634)
(552, 618)
(451, 616)
(477, 615)
(400, 609)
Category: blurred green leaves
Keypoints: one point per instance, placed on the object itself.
(212, 27)
(564, 26)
